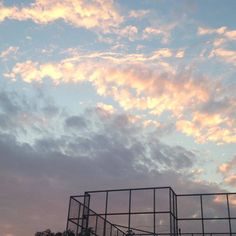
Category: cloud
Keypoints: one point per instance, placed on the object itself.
(206, 127)
(129, 31)
(228, 166)
(100, 14)
(205, 31)
(231, 180)
(223, 31)
(146, 83)
(231, 35)
(37, 178)
(138, 13)
(104, 76)
(75, 122)
(227, 169)
(152, 32)
(228, 56)
(9, 51)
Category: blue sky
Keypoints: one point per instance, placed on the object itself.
(102, 93)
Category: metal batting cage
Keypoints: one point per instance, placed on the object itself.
(151, 211)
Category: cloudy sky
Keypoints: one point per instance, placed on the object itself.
(98, 94)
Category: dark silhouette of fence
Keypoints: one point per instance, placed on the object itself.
(152, 211)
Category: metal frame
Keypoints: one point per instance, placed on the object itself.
(108, 227)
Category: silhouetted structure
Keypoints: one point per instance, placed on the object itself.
(151, 211)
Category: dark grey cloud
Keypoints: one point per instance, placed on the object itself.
(36, 182)
(37, 178)
(75, 122)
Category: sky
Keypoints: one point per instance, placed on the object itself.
(98, 94)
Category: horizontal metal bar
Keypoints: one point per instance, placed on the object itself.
(213, 233)
(128, 189)
(73, 196)
(204, 194)
(144, 231)
(208, 218)
(134, 213)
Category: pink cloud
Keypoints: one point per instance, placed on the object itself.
(227, 169)
(139, 82)
(95, 14)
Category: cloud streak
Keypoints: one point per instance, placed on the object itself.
(153, 90)
(95, 14)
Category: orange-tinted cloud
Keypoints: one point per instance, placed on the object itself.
(139, 82)
(228, 170)
(96, 13)
(227, 55)
(231, 180)
(230, 34)
(9, 51)
(209, 127)
(138, 13)
(204, 31)
(228, 166)
(163, 31)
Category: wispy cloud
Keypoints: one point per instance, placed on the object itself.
(205, 31)
(138, 13)
(228, 56)
(227, 169)
(223, 31)
(95, 14)
(163, 31)
(135, 85)
(9, 51)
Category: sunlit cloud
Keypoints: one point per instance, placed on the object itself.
(138, 13)
(136, 86)
(228, 166)
(209, 127)
(95, 14)
(231, 34)
(227, 169)
(150, 32)
(205, 31)
(228, 56)
(231, 180)
(9, 51)
(129, 31)
(109, 109)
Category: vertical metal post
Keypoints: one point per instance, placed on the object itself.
(230, 228)
(68, 215)
(85, 216)
(77, 226)
(105, 222)
(176, 214)
(96, 225)
(170, 211)
(174, 217)
(129, 209)
(203, 231)
(111, 230)
(154, 211)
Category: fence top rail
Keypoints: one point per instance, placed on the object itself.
(128, 189)
(204, 194)
(155, 188)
